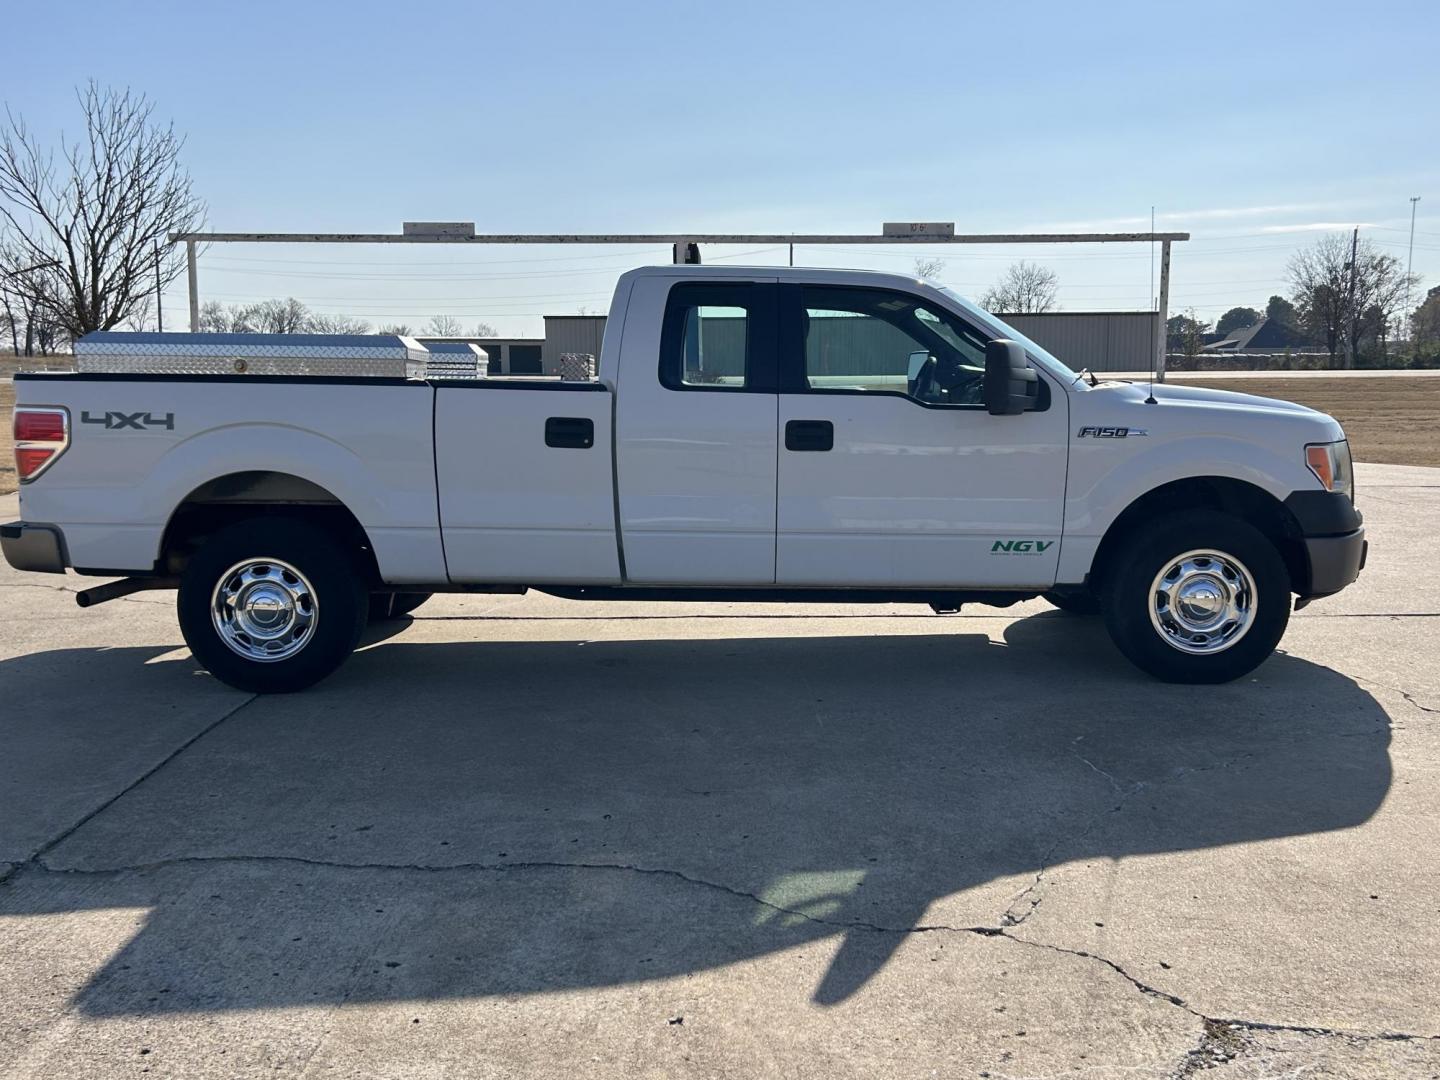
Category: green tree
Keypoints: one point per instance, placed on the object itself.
(1283, 312)
(1237, 318)
(1425, 322)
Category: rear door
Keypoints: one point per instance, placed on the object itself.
(696, 432)
(523, 471)
(891, 472)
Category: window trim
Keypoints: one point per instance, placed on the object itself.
(793, 379)
(759, 301)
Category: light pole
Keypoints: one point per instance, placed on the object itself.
(1409, 268)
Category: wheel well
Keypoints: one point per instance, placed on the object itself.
(1237, 497)
(238, 496)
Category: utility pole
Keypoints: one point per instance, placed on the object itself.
(194, 288)
(1350, 336)
(1409, 270)
(159, 303)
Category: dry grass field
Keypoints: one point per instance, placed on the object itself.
(1391, 420)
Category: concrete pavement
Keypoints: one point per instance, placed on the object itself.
(522, 836)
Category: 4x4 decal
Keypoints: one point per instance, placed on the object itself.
(139, 421)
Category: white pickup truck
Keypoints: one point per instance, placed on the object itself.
(753, 434)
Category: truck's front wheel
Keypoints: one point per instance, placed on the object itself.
(271, 605)
(1197, 597)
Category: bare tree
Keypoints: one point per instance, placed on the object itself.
(444, 326)
(1024, 288)
(288, 316)
(89, 225)
(484, 329)
(141, 315)
(216, 318)
(929, 267)
(1322, 279)
(402, 329)
(337, 324)
(10, 322)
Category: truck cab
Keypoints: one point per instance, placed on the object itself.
(753, 433)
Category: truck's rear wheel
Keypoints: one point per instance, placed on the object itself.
(392, 605)
(1197, 597)
(271, 605)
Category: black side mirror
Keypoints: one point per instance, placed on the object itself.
(1011, 385)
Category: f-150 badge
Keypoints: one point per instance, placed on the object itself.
(1112, 432)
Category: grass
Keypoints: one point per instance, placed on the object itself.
(1394, 420)
(1391, 420)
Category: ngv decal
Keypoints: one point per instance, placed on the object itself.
(121, 421)
(1021, 547)
(1112, 432)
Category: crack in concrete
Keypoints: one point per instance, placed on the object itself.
(36, 857)
(1368, 615)
(1409, 697)
(38, 864)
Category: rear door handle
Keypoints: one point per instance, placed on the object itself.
(811, 435)
(572, 432)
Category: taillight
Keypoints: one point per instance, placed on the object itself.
(41, 436)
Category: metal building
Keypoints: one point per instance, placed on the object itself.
(570, 334)
(1098, 340)
(508, 356)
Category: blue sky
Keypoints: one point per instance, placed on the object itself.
(1253, 126)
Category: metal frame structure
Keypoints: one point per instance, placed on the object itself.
(685, 245)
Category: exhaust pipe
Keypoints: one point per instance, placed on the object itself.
(114, 590)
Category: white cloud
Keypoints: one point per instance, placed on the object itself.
(1317, 226)
(1182, 217)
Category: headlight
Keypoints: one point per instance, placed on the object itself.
(1330, 462)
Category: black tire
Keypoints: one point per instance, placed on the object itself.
(1127, 599)
(1075, 601)
(331, 587)
(392, 605)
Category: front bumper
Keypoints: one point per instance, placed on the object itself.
(1335, 561)
(37, 548)
(1333, 532)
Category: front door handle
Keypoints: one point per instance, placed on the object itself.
(573, 432)
(809, 435)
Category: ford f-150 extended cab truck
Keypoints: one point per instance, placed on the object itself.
(753, 434)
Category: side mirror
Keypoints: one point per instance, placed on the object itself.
(1011, 385)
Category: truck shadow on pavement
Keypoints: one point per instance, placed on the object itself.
(489, 819)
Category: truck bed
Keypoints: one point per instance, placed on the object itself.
(143, 445)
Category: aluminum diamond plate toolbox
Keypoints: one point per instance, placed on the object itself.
(374, 355)
(456, 360)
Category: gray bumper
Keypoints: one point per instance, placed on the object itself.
(38, 548)
(1335, 561)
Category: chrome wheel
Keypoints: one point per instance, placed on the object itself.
(264, 610)
(1203, 602)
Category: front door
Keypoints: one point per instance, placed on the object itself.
(891, 472)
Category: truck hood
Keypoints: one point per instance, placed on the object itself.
(1171, 394)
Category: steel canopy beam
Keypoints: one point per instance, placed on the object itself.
(680, 242)
(674, 238)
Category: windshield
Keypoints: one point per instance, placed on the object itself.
(990, 322)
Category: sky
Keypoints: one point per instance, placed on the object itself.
(1256, 127)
